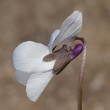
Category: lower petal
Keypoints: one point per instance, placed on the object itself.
(37, 83)
(22, 77)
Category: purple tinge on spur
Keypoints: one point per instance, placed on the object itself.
(77, 50)
(65, 56)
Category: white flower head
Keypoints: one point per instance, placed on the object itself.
(31, 70)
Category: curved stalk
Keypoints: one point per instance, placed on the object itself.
(81, 76)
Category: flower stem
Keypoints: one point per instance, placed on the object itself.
(81, 76)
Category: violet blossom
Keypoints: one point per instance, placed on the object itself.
(29, 58)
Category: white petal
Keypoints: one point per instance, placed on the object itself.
(28, 57)
(22, 77)
(69, 28)
(53, 36)
(36, 84)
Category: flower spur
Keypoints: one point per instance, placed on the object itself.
(36, 64)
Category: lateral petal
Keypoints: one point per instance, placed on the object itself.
(36, 84)
(69, 28)
(53, 36)
(28, 57)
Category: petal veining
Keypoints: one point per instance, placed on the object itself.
(69, 28)
(36, 84)
(28, 57)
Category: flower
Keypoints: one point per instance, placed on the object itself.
(31, 70)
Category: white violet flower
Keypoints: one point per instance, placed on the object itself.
(29, 58)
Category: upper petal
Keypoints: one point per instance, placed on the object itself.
(28, 57)
(69, 28)
(37, 83)
(53, 36)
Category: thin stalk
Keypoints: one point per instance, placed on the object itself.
(81, 76)
(80, 91)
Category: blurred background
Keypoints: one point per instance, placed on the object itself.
(23, 20)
